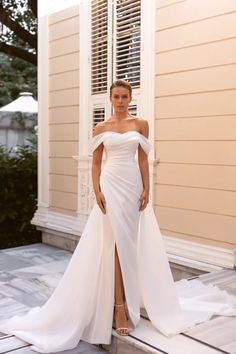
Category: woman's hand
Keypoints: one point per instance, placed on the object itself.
(101, 201)
(144, 199)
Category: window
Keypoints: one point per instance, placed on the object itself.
(115, 51)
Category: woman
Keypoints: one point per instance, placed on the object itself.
(120, 259)
(121, 122)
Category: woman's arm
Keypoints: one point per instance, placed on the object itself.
(144, 167)
(96, 171)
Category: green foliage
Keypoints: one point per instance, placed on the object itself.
(18, 197)
(16, 76)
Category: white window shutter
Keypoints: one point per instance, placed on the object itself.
(128, 41)
(98, 115)
(99, 46)
(115, 53)
(133, 109)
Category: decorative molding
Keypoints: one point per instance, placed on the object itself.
(59, 222)
(198, 255)
(85, 190)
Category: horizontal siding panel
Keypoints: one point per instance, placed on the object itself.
(63, 211)
(195, 105)
(201, 240)
(197, 224)
(217, 53)
(203, 176)
(198, 152)
(214, 29)
(64, 132)
(63, 149)
(211, 201)
(67, 200)
(64, 98)
(64, 14)
(202, 80)
(64, 63)
(69, 114)
(163, 3)
(63, 166)
(64, 28)
(69, 79)
(64, 46)
(63, 183)
(192, 10)
(203, 128)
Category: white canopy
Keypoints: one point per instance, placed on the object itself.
(24, 103)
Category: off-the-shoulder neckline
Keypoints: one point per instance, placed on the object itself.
(113, 132)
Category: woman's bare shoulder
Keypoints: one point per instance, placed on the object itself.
(99, 128)
(142, 125)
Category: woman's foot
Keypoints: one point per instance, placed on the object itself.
(121, 322)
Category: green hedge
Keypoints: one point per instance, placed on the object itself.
(18, 197)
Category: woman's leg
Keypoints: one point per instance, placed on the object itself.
(120, 314)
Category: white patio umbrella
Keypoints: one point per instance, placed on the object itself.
(16, 130)
(25, 103)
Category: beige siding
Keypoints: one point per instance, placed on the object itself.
(195, 183)
(63, 109)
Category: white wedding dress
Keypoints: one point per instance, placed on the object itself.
(81, 306)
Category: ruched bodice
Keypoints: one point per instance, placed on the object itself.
(121, 147)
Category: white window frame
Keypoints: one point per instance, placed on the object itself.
(144, 96)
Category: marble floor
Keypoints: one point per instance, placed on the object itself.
(29, 274)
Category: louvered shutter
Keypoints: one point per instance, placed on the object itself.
(115, 52)
(99, 46)
(128, 41)
(133, 109)
(98, 116)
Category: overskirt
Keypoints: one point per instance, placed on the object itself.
(82, 304)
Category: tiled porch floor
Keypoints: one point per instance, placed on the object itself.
(29, 274)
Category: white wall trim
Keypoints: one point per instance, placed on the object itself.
(43, 102)
(199, 255)
(183, 252)
(60, 222)
(85, 77)
(147, 87)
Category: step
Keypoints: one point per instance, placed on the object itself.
(14, 345)
(10, 343)
(146, 339)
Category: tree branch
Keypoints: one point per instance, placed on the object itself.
(18, 52)
(17, 29)
(33, 6)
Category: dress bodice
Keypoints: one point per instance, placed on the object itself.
(121, 147)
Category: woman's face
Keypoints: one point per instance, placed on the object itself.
(120, 99)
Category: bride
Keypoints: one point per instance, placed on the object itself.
(121, 123)
(120, 263)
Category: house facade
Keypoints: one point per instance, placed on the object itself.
(180, 57)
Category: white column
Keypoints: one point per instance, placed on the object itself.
(147, 87)
(43, 148)
(83, 161)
